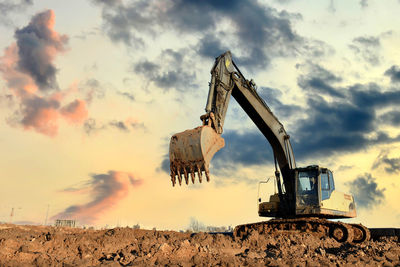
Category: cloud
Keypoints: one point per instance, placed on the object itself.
(38, 44)
(364, 3)
(19, 82)
(391, 118)
(172, 74)
(138, 125)
(7, 100)
(211, 46)
(128, 95)
(247, 149)
(313, 49)
(344, 124)
(394, 73)
(11, 6)
(254, 27)
(319, 80)
(40, 114)
(92, 126)
(123, 23)
(332, 7)
(75, 111)
(344, 167)
(120, 125)
(259, 31)
(331, 127)
(373, 96)
(272, 95)
(165, 164)
(346, 121)
(367, 48)
(392, 165)
(105, 191)
(28, 69)
(365, 191)
(93, 89)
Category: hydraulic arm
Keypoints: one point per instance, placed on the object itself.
(227, 80)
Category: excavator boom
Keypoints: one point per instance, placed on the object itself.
(191, 151)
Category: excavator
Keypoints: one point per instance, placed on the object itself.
(306, 198)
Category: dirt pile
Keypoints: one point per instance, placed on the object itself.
(41, 246)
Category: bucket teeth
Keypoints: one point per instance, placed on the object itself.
(179, 177)
(207, 175)
(173, 179)
(186, 175)
(192, 174)
(189, 173)
(199, 173)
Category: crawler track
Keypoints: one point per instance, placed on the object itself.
(341, 232)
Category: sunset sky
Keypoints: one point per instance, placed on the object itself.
(91, 92)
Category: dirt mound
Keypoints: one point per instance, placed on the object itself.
(41, 246)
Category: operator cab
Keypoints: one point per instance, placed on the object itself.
(310, 181)
(316, 195)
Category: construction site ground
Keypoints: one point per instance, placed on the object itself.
(62, 246)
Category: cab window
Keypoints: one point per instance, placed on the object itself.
(307, 182)
(326, 184)
(331, 182)
(324, 181)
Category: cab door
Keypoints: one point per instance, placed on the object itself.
(307, 188)
(327, 184)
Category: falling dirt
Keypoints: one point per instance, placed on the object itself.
(61, 246)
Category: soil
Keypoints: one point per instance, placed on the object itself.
(62, 246)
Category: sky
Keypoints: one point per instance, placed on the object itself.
(91, 92)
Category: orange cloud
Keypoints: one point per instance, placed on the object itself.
(38, 44)
(75, 112)
(20, 83)
(41, 115)
(106, 190)
(27, 67)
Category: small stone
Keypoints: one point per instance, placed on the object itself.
(253, 255)
(185, 243)
(391, 256)
(321, 251)
(23, 248)
(378, 259)
(165, 248)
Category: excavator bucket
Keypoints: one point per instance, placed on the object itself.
(191, 151)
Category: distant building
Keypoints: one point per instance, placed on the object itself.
(219, 229)
(67, 223)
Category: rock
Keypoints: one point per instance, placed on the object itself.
(23, 248)
(378, 259)
(391, 256)
(321, 251)
(185, 243)
(165, 248)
